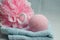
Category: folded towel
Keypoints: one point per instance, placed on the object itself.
(20, 34)
(22, 37)
(15, 31)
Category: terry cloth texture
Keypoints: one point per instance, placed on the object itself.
(20, 34)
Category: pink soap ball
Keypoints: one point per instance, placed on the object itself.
(13, 9)
(38, 23)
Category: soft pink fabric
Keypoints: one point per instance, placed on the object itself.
(13, 9)
(38, 23)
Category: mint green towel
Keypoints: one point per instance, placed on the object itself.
(22, 37)
(20, 34)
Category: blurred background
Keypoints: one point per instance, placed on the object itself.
(51, 9)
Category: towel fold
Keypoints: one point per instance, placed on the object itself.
(15, 31)
(20, 34)
(21, 37)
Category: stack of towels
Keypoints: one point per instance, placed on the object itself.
(20, 34)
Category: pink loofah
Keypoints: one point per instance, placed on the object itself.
(38, 23)
(11, 11)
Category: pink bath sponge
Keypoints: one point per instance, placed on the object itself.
(38, 23)
(10, 11)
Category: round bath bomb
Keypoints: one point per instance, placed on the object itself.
(38, 23)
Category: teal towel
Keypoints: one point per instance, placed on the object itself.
(22, 37)
(20, 34)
